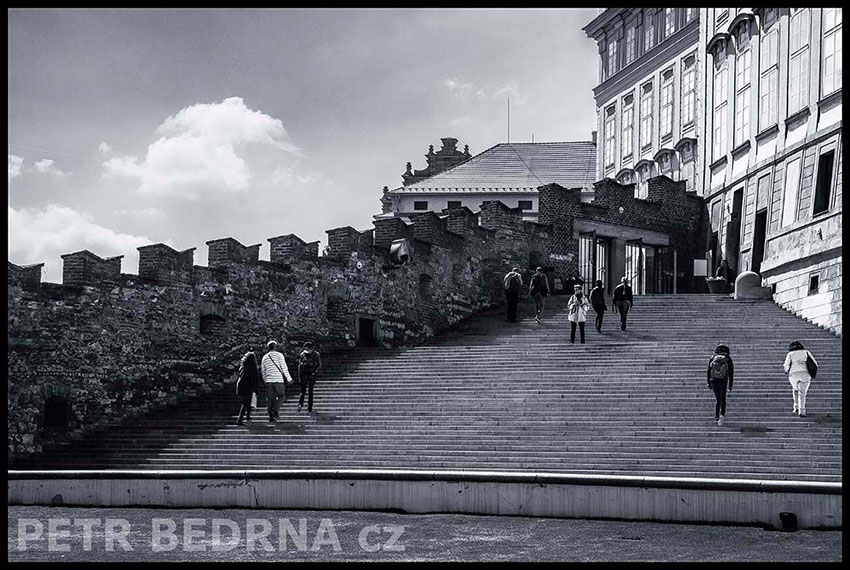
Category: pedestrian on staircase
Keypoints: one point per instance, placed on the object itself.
(273, 367)
(513, 285)
(309, 362)
(578, 306)
(720, 375)
(623, 301)
(801, 368)
(539, 289)
(247, 385)
(597, 301)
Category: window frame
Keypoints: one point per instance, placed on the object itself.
(793, 209)
(647, 101)
(799, 55)
(416, 204)
(830, 197)
(689, 74)
(628, 108)
(768, 79)
(833, 34)
(667, 90)
(610, 126)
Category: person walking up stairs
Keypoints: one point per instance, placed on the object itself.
(720, 373)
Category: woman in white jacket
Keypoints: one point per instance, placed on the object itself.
(798, 374)
(578, 306)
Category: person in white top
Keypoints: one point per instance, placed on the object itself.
(578, 306)
(273, 368)
(798, 374)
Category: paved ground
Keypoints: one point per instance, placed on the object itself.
(368, 536)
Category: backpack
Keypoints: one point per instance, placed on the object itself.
(719, 367)
(811, 366)
(513, 283)
(308, 362)
(537, 285)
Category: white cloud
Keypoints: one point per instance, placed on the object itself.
(458, 87)
(149, 212)
(196, 153)
(42, 236)
(464, 90)
(16, 165)
(47, 166)
(104, 148)
(287, 176)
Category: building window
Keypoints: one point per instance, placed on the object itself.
(420, 205)
(453, 204)
(57, 415)
(769, 78)
(643, 182)
(798, 65)
(814, 283)
(823, 187)
(631, 44)
(610, 135)
(628, 125)
(689, 74)
(646, 116)
(690, 13)
(722, 17)
(666, 119)
(648, 30)
(718, 138)
(525, 205)
(612, 57)
(831, 53)
(792, 186)
(669, 22)
(742, 83)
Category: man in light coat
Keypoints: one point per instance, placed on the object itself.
(798, 374)
(578, 306)
(273, 368)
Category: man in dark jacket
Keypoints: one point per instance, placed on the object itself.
(597, 301)
(623, 301)
(539, 289)
(309, 362)
(513, 285)
(719, 375)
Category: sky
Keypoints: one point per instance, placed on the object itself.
(133, 127)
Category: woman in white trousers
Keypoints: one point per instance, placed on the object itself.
(798, 374)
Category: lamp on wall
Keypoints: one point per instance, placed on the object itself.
(399, 252)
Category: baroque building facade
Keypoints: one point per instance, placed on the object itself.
(772, 151)
(646, 101)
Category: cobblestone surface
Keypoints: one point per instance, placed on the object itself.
(369, 536)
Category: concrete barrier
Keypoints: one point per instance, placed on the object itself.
(748, 286)
(664, 499)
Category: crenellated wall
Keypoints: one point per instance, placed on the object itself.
(111, 345)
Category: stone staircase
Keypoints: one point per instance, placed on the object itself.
(492, 395)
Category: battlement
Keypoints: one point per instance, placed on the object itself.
(289, 247)
(159, 262)
(227, 251)
(86, 268)
(25, 275)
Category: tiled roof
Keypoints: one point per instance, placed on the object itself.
(513, 167)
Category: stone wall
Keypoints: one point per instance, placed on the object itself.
(669, 209)
(114, 345)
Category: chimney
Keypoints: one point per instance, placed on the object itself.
(593, 137)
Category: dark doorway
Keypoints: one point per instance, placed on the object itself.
(665, 271)
(733, 230)
(758, 240)
(57, 414)
(367, 331)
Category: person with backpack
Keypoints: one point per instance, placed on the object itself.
(623, 301)
(513, 285)
(247, 385)
(720, 374)
(273, 368)
(597, 301)
(578, 306)
(539, 289)
(801, 368)
(309, 362)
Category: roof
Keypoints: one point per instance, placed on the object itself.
(515, 167)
